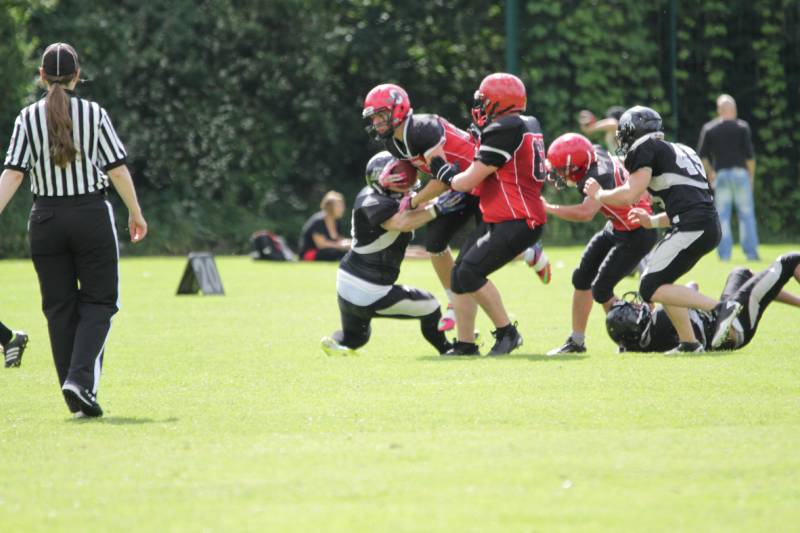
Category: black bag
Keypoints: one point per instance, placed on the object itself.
(269, 246)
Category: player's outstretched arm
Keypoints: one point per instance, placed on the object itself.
(431, 190)
(788, 298)
(410, 220)
(626, 194)
(574, 213)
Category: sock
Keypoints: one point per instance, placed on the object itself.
(579, 338)
(449, 295)
(5, 334)
(505, 329)
(429, 325)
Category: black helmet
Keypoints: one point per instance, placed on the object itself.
(390, 176)
(634, 123)
(625, 321)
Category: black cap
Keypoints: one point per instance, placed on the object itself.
(59, 60)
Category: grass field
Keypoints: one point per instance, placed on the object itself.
(222, 414)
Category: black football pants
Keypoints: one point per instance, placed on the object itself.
(74, 249)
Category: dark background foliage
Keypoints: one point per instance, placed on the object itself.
(239, 114)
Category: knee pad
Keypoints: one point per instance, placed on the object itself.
(353, 339)
(466, 278)
(790, 261)
(647, 287)
(581, 281)
(602, 294)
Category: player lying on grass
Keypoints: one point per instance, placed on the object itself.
(366, 277)
(614, 251)
(637, 328)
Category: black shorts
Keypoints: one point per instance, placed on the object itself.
(610, 256)
(676, 254)
(489, 247)
(440, 231)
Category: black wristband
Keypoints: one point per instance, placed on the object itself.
(442, 170)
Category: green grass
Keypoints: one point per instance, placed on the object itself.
(223, 414)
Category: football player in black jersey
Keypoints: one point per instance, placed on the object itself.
(419, 138)
(615, 250)
(673, 173)
(635, 328)
(367, 274)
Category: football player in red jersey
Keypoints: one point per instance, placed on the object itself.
(615, 250)
(419, 138)
(507, 173)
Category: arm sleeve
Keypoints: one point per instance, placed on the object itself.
(19, 150)
(380, 209)
(319, 227)
(498, 144)
(425, 134)
(110, 148)
(642, 156)
(748, 142)
(702, 144)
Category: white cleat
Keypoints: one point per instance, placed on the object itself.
(334, 349)
(725, 317)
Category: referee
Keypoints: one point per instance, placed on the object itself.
(70, 150)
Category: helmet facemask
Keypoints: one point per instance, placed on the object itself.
(626, 320)
(369, 115)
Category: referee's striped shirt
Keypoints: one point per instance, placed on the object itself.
(98, 150)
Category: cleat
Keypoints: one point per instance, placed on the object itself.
(570, 346)
(448, 320)
(536, 259)
(726, 313)
(687, 347)
(83, 398)
(334, 349)
(463, 348)
(505, 344)
(15, 348)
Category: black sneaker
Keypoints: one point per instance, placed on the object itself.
(569, 347)
(15, 348)
(463, 348)
(507, 341)
(687, 347)
(83, 397)
(726, 312)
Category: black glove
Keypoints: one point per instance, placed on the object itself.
(443, 171)
(450, 202)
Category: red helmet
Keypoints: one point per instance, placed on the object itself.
(389, 98)
(569, 158)
(498, 94)
(390, 176)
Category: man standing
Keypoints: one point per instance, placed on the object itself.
(726, 148)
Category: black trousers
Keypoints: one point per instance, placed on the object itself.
(402, 302)
(487, 249)
(441, 230)
(610, 256)
(74, 249)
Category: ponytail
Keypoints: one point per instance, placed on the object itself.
(59, 125)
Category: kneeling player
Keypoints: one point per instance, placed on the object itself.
(615, 250)
(634, 327)
(366, 278)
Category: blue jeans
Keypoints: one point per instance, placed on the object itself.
(733, 187)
